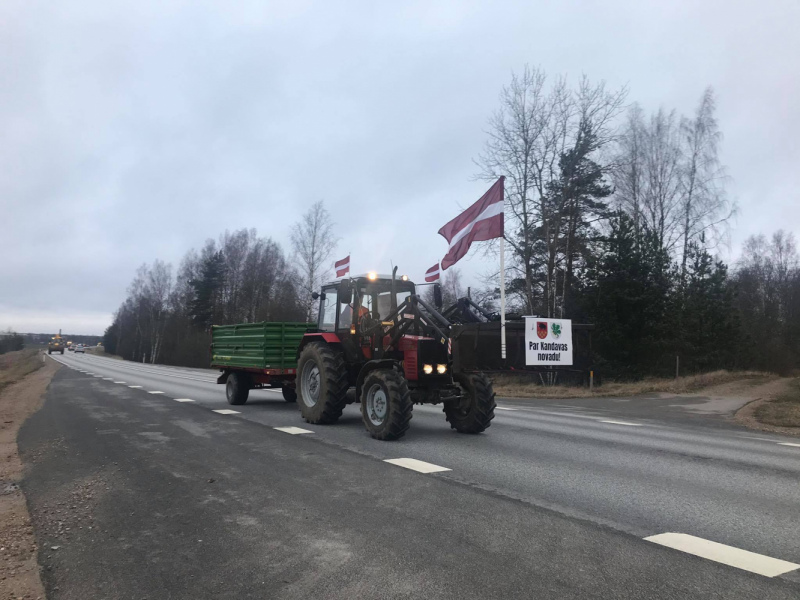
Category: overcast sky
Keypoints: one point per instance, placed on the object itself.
(135, 130)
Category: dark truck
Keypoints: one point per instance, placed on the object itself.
(257, 355)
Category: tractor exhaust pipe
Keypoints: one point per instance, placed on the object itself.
(394, 290)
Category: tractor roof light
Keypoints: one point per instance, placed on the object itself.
(404, 278)
(372, 275)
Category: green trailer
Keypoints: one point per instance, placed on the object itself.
(257, 355)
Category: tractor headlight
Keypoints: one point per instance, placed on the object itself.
(441, 369)
(427, 369)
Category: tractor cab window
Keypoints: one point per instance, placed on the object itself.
(327, 311)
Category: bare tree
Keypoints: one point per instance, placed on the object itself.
(313, 241)
(534, 128)
(705, 206)
(158, 288)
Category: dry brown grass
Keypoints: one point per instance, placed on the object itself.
(783, 411)
(513, 386)
(100, 351)
(16, 365)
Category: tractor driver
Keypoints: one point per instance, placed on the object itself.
(346, 318)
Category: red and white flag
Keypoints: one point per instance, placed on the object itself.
(342, 266)
(432, 274)
(482, 221)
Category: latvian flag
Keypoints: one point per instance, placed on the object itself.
(482, 221)
(432, 274)
(342, 266)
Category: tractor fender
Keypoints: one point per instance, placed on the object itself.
(371, 366)
(224, 377)
(328, 338)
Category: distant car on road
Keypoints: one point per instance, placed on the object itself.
(80, 348)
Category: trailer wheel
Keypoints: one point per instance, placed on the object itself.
(386, 404)
(237, 389)
(474, 412)
(321, 383)
(289, 393)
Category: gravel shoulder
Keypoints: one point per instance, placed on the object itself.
(19, 570)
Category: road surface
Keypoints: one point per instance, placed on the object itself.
(553, 501)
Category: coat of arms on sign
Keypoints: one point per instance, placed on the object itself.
(541, 329)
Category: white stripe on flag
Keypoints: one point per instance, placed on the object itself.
(490, 211)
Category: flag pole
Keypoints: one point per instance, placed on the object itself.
(503, 297)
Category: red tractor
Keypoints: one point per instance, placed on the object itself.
(375, 334)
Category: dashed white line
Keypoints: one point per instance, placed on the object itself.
(227, 411)
(416, 465)
(292, 430)
(728, 555)
(504, 408)
(155, 392)
(183, 400)
(108, 379)
(788, 444)
(98, 376)
(120, 382)
(135, 387)
(621, 423)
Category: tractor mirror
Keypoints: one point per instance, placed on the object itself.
(314, 296)
(345, 292)
(437, 296)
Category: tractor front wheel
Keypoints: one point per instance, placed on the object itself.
(474, 411)
(386, 404)
(321, 384)
(237, 389)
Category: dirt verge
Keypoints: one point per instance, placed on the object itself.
(25, 383)
(777, 411)
(516, 387)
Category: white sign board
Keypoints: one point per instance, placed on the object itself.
(548, 341)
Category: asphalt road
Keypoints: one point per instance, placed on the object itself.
(553, 501)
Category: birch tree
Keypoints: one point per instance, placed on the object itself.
(313, 241)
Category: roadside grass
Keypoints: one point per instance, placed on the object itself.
(16, 365)
(525, 387)
(100, 351)
(784, 410)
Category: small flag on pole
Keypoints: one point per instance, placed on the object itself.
(482, 221)
(432, 274)
(342, 266)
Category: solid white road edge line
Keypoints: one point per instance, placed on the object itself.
(727, 555)
(183, 400)
(788, 444)
(292, 430)
(416, 465)
(621, 423)
(155, 392)
(227, 411)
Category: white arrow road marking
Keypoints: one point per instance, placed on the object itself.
(226, 411)
(621, 423)
(416, 465)
(292, 430)
(155, 392)
(727, 555)
(183, 400)
(135, 387)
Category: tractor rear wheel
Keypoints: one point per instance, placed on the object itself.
(474, 412)
(289, 393)
(386, 404)
(321, 384)
(237, 389)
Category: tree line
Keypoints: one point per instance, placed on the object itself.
(613, 217)
(240, 277)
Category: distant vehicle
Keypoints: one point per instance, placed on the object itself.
(56, 344)
(79, 348)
